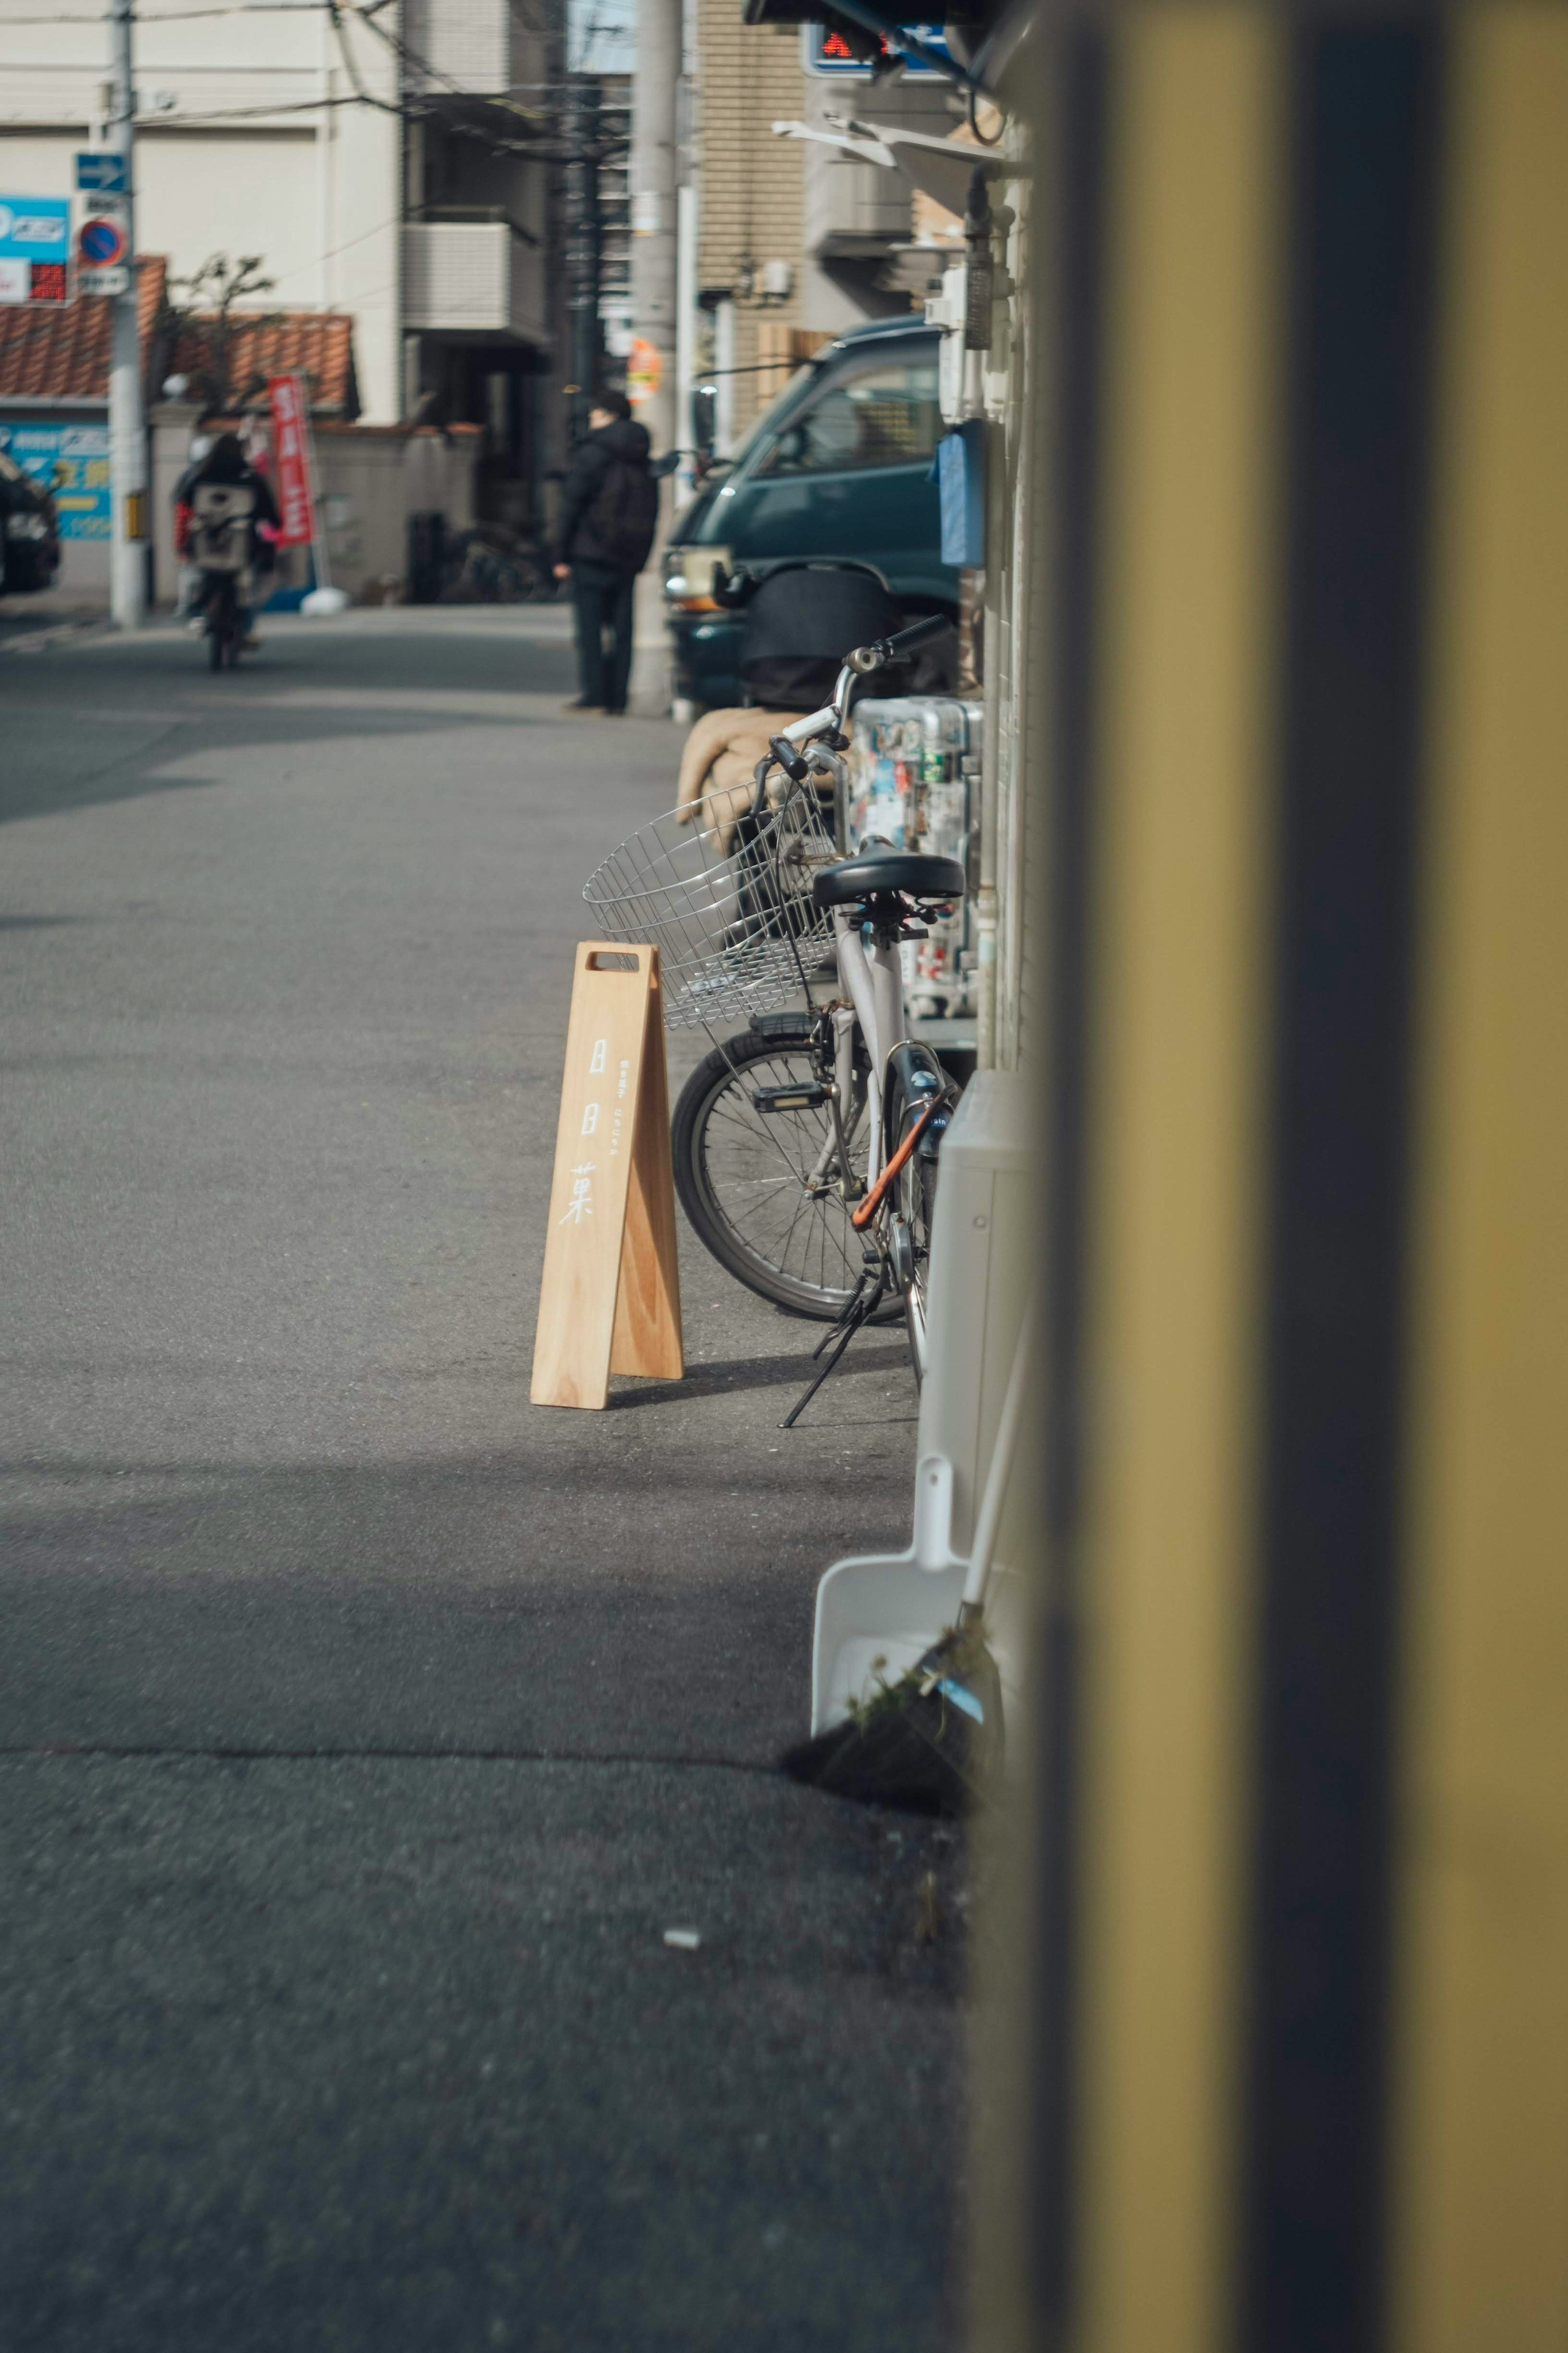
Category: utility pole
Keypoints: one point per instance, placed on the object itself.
(582, 243)
(127, 428)
(654, 177)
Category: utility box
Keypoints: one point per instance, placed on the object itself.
(987, 1197)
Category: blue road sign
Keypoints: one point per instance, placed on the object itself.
(101, 242)
(102, 170)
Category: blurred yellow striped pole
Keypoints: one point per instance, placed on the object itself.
(1274, 2054)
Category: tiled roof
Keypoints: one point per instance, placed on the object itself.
(63, 354)
(316, 344)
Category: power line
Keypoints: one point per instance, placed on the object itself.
(414, 62)
(185, 15)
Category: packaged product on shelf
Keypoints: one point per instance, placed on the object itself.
(914, 784)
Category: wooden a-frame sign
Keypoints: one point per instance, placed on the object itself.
(610, 1301)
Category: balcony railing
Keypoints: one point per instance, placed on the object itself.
(471, 48)
(473, 277)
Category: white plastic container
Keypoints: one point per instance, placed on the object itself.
(979, 1269)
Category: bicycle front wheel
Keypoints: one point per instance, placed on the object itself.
(761, 1187)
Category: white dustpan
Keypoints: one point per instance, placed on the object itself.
(877, 1616)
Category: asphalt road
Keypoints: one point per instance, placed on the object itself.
(363, 1728)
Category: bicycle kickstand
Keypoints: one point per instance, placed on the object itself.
(864, 1302)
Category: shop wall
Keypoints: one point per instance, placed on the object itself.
(371, 481)
(68, 452)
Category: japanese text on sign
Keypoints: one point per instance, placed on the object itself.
(296, 513)
(71, 463)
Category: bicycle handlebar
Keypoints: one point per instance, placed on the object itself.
(866, 659)
(860, 663)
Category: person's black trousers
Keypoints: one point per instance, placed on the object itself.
(603, 596)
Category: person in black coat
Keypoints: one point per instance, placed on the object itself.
(609, 512)
(225, 462)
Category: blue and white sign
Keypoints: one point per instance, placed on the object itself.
(100, 171)
(828, 54)
(70, 461)
(35, 228)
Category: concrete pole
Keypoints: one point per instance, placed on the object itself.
(127, 426)
(654, 178)
(685, 329)
(655, 175)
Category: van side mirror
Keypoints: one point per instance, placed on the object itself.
(704, 420)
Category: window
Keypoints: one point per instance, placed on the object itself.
(884, 416)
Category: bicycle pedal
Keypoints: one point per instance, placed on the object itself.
(807, 1097)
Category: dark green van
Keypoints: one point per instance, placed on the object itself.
(839, 465)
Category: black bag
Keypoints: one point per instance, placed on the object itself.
(624, 516)
(801, 621)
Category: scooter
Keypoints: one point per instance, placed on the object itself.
(219, 607)
(220, 550)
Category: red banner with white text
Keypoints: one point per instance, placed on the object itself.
(296, 515)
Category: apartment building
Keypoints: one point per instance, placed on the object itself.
(796, 239)
(383, 166)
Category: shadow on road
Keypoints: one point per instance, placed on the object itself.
(739, 1373)
(105, 719)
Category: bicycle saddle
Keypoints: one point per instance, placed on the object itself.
(876, 871)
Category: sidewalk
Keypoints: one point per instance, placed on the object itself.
(364, 1728)
(28, 622)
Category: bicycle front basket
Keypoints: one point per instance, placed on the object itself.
(726, 898)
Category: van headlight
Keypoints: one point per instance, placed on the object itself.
(27, 526)
(689, 578)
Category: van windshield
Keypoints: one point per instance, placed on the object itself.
(762, 427)
(884, 412)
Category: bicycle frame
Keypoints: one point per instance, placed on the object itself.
(871, 972)
(875, 980)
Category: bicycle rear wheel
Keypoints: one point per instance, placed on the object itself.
(745, 1177)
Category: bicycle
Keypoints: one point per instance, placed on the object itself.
(219, 608)
(805, 1147)
(486, 565)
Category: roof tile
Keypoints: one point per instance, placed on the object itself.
(63, 354)
(316, 344)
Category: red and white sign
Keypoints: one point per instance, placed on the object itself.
(296, 509)
(100, 242)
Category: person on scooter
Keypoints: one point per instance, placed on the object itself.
(226, 462)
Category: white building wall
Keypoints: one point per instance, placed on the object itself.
(319, 197)
(202, 193)
(362, 259)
